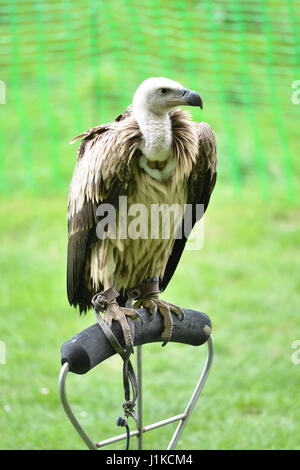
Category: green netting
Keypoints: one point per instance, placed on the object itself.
(68, 66)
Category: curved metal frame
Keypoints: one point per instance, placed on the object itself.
(183, 417)
(66, 405)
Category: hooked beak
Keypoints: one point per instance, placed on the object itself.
(191, 98)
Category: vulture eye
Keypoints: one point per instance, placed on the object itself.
(163, 91)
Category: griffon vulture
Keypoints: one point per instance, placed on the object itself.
(152, 154)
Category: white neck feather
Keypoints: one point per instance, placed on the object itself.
(157, 133)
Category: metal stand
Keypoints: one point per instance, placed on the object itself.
(65, 403)
(81, 367)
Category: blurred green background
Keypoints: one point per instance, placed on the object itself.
(66, 66)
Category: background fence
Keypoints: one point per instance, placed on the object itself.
(66, 66)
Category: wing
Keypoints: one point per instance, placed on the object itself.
(104, 164)
(201, 184)
(81, 226)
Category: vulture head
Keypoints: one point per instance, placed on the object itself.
(159, 95)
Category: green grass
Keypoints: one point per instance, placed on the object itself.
(246, 278)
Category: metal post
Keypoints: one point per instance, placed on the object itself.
(139, 404)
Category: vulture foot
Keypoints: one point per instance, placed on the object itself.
(153, 303)
(112, 311)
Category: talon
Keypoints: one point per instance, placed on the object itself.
(140, 317)
(180, 315)
(177, 310)
(153, 304)
(108, 321)
(154, 310)
(114, 312)
(166, 340)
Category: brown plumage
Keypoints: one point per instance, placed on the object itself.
(110, 164)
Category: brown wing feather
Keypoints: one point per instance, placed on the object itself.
(104, 161)
(201, 184)
(80, 227)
